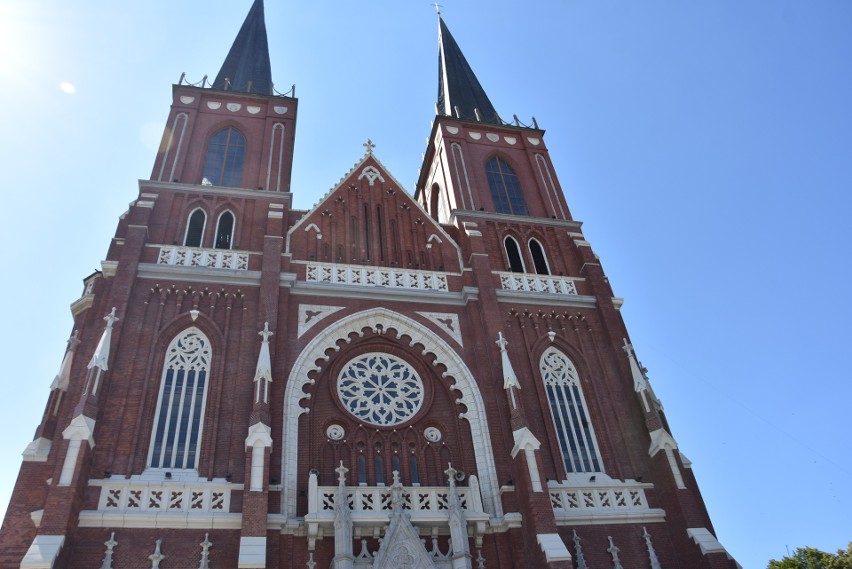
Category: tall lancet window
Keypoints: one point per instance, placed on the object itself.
(570, 414)
(195, 228)
(180, 406)
(505, 188)
(538, 257)
(224, 231)
(224, 163)
(513, 254)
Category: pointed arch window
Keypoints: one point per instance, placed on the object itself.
(179, 419)
(538, 257)
(513, 254)
(195, 228)
(505, 187)
(224, 230)
(569, 412)
(226, 150)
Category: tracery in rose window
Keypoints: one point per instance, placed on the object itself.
(380, 389)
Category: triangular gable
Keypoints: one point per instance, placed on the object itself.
(401, 546)
(393, 230)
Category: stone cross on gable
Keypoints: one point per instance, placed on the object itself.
(369, 147)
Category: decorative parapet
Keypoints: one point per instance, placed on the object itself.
(529, 282)
(129, 496)
(371, 505)
(198, 257)
(610, 501)
(355, 275)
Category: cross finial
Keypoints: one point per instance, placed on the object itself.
(265, 333)
(438, 8)
(502, 342)
(111, 317)
(369, 146)
(451, 473)
(341, 472)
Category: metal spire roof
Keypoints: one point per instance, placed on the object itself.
(458, 86)
(247, 66)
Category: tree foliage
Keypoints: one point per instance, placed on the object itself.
(811, 558)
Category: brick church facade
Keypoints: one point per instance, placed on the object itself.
(388, 380)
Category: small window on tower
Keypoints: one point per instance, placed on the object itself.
(225, 153)
(538, 257)
(505, 187)
(195, 228)
(225, 231)
(513, 253)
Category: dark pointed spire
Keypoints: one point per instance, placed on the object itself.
(247, 65)
(458, 86)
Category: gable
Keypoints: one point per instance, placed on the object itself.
(368, 219)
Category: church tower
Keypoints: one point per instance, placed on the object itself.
(386, 381)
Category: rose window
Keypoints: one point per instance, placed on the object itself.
(380, 389)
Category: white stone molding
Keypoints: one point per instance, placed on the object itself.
(280, 110)
(534, 141)
(510, 139)
(252, 553)
(530, 282)
(176, 255)
(448, 322)
(581, 500)
(37, 450)
(109, 268)
(137, 496)
(253, 109)
(381, 320)
(492, 137)
(475, 135)
(43, 552)
(452, 129)
(373, 277)
(433, 237)
(372, 174)
(662, 440)
(526, 441)
(549, 186)
(310, 314)
(259, 439)
(80, 429)
(214, 105)
(553, 547)
(707, 541)
(187, 100)
(458, 162)
(233, 107)
(316, 228)
(36, 516)
(180, 119)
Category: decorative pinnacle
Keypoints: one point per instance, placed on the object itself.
(74, 341)
(111, 317)
(341, 472)
(369, 147)
(451, 473)
(502, 342)
(265, 333)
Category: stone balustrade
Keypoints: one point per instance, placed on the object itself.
(356, 275)
(529, 282)
(199, 257)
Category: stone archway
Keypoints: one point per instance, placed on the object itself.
(381, 320)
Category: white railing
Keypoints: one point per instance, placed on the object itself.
(376, 277)
(377, 499)
(129, 496)
(198, 257)
(529, 282)
(570, 500)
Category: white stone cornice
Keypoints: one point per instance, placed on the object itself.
(524, 439)
(198, 274)
(80, 428)
(661, 440)
(545, 299)
(457, 214)
(259, 434)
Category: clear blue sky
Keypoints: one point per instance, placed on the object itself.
(707, 146)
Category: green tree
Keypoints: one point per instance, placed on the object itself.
(811, 558)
